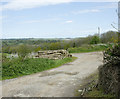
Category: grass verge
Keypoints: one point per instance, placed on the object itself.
(15, 67)
(88, 48)
(88, 84)
(98, 93)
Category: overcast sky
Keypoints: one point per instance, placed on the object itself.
(55, 18)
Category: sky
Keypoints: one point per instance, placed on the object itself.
(55, 18)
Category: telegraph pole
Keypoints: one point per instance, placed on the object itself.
(99, 31)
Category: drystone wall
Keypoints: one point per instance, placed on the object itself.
(109, 75)
(53, 54)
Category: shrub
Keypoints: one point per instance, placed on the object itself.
(95, 40)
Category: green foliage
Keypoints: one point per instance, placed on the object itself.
(4, 57)
(66, 46)
(37, 49)
(109, 36)
(95, 40)
(55, 46)
(11, 45)
(74, 45)
(23, 51)
(98, 93)
(6, 49)
(16, 67)
(87, 48)
(14, 42)
(113, 50)
(94, 92)
(112, 55)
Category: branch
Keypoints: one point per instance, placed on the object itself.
(114, 27)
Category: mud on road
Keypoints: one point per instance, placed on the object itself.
(57, 82)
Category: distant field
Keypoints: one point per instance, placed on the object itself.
(90, 48)
(15, 67)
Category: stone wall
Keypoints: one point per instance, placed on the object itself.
(109, 75)
(53, 54)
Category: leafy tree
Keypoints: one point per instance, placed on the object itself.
(66, 46)
(74, 45)
(23, 51)
(95, 40)
(6, 49)
(38, 49)
(13, 49)
(4, 57)
(55, 46)
(109, 36)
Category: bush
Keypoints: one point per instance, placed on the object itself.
(114, 50)
(23, 51)
(95, 40)
(112, 55)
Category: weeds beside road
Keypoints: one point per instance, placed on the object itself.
(16, 67)
(89, 86)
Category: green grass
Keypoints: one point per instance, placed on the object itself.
(88, 48)
(95, 92)
(98, 93)
(15, 67)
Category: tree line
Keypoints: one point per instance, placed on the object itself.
(34, 45)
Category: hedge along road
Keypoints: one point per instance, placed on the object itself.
(57, 82)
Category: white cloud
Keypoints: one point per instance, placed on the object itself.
(69, 21)
(43, 20)
(32, 21)
(96, 0)
(25, 4)
(86, 11)
(107, 6)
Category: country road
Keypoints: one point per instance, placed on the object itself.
(57, 82)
